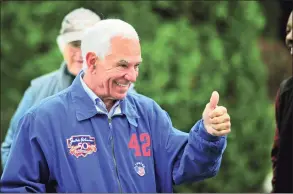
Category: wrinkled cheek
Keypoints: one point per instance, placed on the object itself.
(70, 59)
(107, 86)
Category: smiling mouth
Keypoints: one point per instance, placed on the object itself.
(121, 85)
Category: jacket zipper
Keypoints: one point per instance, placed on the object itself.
(113, 154)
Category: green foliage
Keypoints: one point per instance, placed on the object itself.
(189, 49)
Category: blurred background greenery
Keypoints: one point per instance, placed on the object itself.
(190, 48)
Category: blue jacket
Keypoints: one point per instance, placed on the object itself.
(40, 88)
(66, 145)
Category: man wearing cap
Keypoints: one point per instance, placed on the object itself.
(73, 26)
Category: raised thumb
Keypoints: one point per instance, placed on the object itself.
(214, 100)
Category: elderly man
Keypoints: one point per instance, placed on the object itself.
(68, 41)
(96, 137)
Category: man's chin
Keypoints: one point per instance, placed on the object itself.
(119, 96)
(74, 71)
(77, 66)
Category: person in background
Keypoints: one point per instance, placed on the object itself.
(281, 153)
(72, 29)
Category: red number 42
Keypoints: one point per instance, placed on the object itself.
(133, 144)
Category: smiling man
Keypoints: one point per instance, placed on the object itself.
(97, 137)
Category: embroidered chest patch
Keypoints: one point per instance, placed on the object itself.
(81, 145)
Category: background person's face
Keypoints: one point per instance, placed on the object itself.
(289, 33)
(118, 70)
(73, 58)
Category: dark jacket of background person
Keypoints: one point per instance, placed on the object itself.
(282, 148)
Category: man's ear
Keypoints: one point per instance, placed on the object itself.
(91, 60)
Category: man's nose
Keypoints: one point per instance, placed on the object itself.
(289, 38)
(131, 75)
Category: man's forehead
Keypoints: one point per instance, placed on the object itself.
(125, 46)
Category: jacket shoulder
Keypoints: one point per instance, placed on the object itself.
(143, 103)
(52, 104)
(135, 98)
(286, 85)
(45, 79)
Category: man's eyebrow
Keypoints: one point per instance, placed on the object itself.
(123, 62)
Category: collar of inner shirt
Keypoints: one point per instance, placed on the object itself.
(100, 105)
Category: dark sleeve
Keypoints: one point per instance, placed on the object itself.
(283, 173)
(276, 143)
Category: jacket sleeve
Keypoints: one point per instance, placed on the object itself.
(189, 157)
(25, 104)
(276, 143)
(27, 169)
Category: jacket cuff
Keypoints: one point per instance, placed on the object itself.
(205, 135)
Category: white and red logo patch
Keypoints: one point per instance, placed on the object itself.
(139, 168)
(81, 145)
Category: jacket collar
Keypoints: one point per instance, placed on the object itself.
(85, 108)
(64, 78)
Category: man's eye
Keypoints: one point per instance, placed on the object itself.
(75, 44)
(136, 67)
(123, 65)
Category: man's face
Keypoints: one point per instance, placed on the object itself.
(73, 58)
(119, 69)
(289, 34)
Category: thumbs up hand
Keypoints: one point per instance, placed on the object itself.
(215, 118)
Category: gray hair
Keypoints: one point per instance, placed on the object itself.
(97, 39)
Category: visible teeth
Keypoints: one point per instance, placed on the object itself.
(122, 85)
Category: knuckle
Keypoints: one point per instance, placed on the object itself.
(213, 114)
(215, 120)
(226, 132)
(224, 109)
(217, 127)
